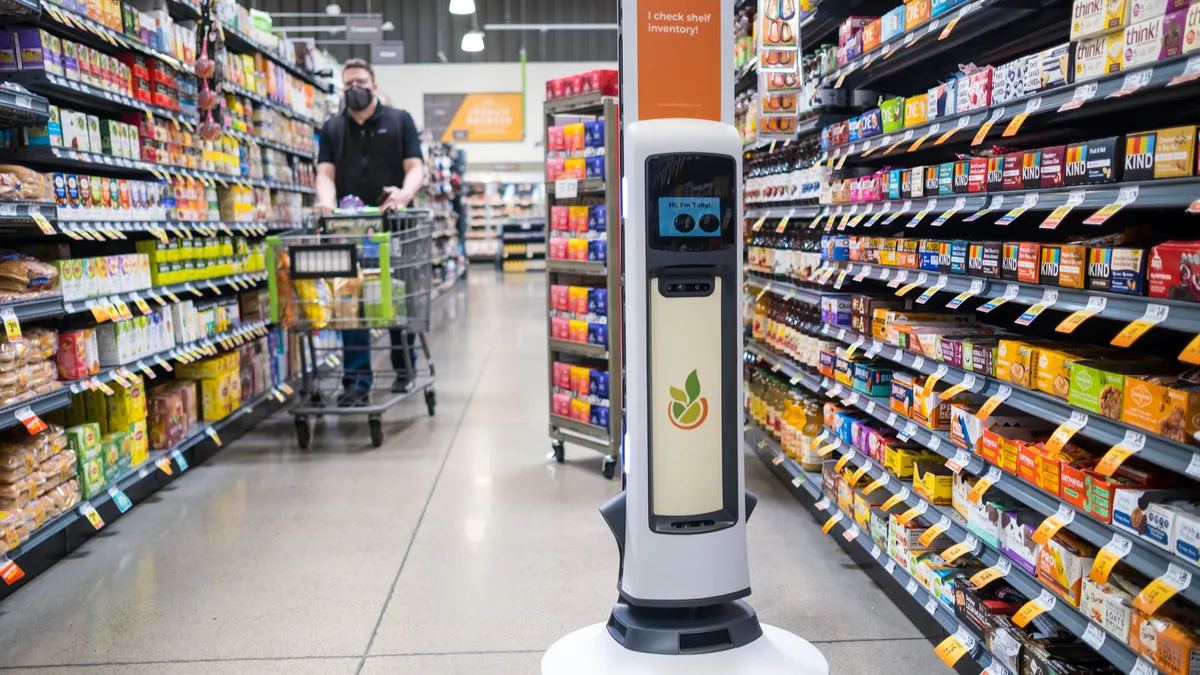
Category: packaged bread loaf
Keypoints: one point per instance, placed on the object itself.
(18, 182)
(18, 495)
(22, 274)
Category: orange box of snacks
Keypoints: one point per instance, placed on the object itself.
(1162, 404)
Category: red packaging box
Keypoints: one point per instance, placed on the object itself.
(555, 139)
(1073, 483)
(558, 249)
(555, 168)
(573, 85)
(1167, 261)
(562, 375)
(560, 297)
(559, 217)
(556, 88)
(603, 81)
(1029, 262)
(561, 404)
(560, 329)
(1027, 463)
(1012, 170)
(1052, 165)
(977, 175)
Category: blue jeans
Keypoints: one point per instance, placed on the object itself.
(356, 357)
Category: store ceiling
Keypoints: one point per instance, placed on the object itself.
(427, 27)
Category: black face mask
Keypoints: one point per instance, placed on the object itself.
(358, 98)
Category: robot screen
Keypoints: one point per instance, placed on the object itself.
(690, 202)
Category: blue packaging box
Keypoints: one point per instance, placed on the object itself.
(594, 167)
(598, 301)
(840, 248)
(598, 218)
(871, 380)
(593, 134)
(892, 24)
(598, 251)
(598, 416)
(928, 261)
(940, 7)
(855, 125)
(945, 178)
(599, 383)
(893, 184)
(870, 123)
(959, 250)
(598, 334)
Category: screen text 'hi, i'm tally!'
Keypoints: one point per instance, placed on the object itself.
(676, 22)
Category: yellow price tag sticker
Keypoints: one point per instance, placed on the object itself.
(983, 484)
(841, 463)
(783, 223)
(1191, 353)
(142, 305)
(960, 549)
(123, 310)
(1133, 442)
(1069, 324)
(932, 380)
(164, 465)
(985, 411)
(1154, 315)
(1014, 125)
(99, 312)
(12, 326)
(1053, 523)
(1108, 557)
(904, 290)
(43, 224)
(834, 520)
(758, 224)
(983, 132)
(908, 516)
(170, 294)
(933, 532)
(987, 576)
(1162, 589)
(825, 450)
(857, 475)
(967, 383)
(950, 651)
(92, 516)
(1034, 608)
(108, 391)
(884, 480)
(212, 433)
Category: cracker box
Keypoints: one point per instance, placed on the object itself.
(1099, 56)
(1174, 156)
(1117, 270)
(1162, 404)
(1097, 17)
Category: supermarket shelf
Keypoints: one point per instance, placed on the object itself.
(238, 42)
(786, 290)
(21, 9)
(237, 282)
(806, 487)
(37, 308)
(62, 89)
(805, 127)
(578, 348)
(18, 108)
(184, 9)
(180, 230)
(59, 398)
(1171, 193)
(600, 434)
(774, 213)
(584, 104)
(1160, 75)
(580, 267)
(1119, 654)
(83, 161)
(747, 78)
(239, 90)
(1144, 556)
(267, 143)
(78, 27)
(590, 186)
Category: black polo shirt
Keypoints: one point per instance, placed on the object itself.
(370, 156)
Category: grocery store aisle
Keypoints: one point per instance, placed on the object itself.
(455, 548)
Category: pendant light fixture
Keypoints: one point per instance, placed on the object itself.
(473, 41)
(462, 6)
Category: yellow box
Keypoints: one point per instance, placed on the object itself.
(899, 461)
(96, 409)
(1015, 361)
(916, 13)
(933, 481)
(139, 443)
(915, 110)
(214, 398)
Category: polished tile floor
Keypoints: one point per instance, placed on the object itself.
(454, 549)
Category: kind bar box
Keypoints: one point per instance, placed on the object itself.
(1139, 156)
(1099, 56)
(1052, 166)
(1175, 154)
(994, 177)
(1031, 169)
(1153, 40)
(1097, 17)
(1012, 170)
(1094, 162)
(1117, 270)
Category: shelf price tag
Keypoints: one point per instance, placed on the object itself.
(1111, 553)
(1133, 82)
(1010, 293)
(916, 220)
(933, 531)
(981, 486)
(212, 433)
(952, 649)
(975, 289)
(900, 278)
(895, 499)
(1049, 298)
(1190, 72)
(1096, 305)
(960, 460)
(959, 203)
(12, 326)
(852, 533)
(566, 188)
(968, 384)
(1083, 94)
(1014, 125)
(1056, 216)
(825, 450)
(929, 132)
(1065, 431)
(994, 205)
(33, 423)
(10, 572)
(987, 576)
(783, 222)
(822, 504)
(88, 511)
(1191, 353)
(1093, 636)
(164, 465)
(1155, 314)
(1133, 442)
(921, 279)
(798, 480)
(1029, 202)
(882, 481)
(120, 499)
(963, 122)
(911, 514)
(968, 545)
(833, 520)
(845, 459)
(887, 206)
(1053, 523)
(908, 432)
(1162, 589)
(1042, 603)
(933, 379)
(862, 273)
(1126, 196)
(180, 461)
(987, 126)
(985, 411)
(142, 305)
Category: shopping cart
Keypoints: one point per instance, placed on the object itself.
(362, 272)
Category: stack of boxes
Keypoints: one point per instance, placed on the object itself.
(108, 433)
(220, 384)
(181, 260)
(579, 233)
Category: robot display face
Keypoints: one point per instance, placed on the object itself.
(691, 253)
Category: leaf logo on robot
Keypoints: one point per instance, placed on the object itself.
(687, 409)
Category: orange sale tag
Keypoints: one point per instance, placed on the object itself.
(828, 448)
(882, 481)
(837, 518)
(1053, 523)
(10, 572)
(932, 380)
(960, 549)
(1014, 125)
(1162, 589)
(983, 132)
(164, 465)
(907, 517)
(841, 463)
(987, 576)
(1155, 314)
(1039, 605)
(982, 485)
(1132, 443)
(967, 383)
(857, 475)
(933, 531)
(1108, 557)
(952, 649)
(1065, 431)
(989, 406)
(1191, 353)
(893, 500)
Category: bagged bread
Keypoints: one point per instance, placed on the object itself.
(18, 182)
(21, 273)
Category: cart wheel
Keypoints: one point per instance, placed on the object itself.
(430, 401)
(560, 451)
(610, 467)
(376, 431)
(303, 436)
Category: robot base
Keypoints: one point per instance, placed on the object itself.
(592, 651)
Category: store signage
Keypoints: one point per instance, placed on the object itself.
(364, 28)
(679, 64)
(475, 118)
(387, 53)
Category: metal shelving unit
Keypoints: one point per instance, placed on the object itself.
(564, 430)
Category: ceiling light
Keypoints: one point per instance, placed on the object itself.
(473, 41)
(333, 9)
(388, 25)
(462, 6)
